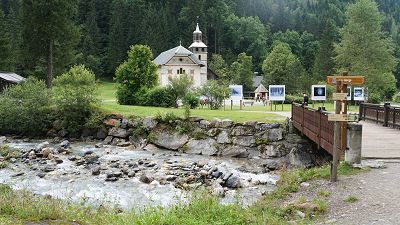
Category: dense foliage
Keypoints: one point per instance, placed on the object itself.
(215, 94)
(253, 27)
(25, 109)
(74, 96)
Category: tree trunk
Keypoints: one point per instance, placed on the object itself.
(49, 80)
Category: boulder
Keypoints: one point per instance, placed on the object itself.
(96, 171)
(149, 122)
(145, 178)
(213, 132)
(267, 126)
(3, 140)
(168, 140)
(233, 182)
(65, 144)
(223, 138)
(225, 123)
(235, 151)
(203, 146)
(118, 132)
(270, 151)
(217, 190)
(101, 133)
(299, 158)
(204, 124)
(112, 122)
(117, 141)
(242, 131)
(275, 134)
(108, 140)
(41, 146)
(247, 141)
(46, 152)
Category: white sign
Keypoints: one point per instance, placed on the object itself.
(236, 92)
(349, 93)
(358, 94)
(277, 92)
(318, 92)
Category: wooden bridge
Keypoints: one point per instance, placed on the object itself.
(380, 140)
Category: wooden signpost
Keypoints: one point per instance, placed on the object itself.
(340, 117)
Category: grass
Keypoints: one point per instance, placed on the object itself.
(107, 92)
(351, 199)
(18, 207)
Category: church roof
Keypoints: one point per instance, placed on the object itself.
(198, 45)
(197, 31)
(164, 57)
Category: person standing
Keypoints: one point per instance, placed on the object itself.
(305, 99)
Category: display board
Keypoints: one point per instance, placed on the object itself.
(236, 92)
(358, 94)
(349, 95)
(277, 92)
(318, 92)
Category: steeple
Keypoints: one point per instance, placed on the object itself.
(197, 34)
(198, 47)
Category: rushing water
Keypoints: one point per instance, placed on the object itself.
(76, 183)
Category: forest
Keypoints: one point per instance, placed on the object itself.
(98, 33)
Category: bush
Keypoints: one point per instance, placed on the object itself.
(25, 109)
(293, 98)
(396, 98)
(191, 100)
(74, 96)
(179, 87)
(158, 97)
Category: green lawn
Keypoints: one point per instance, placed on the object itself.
(107, 92)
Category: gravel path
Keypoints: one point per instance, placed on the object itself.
(377, 194)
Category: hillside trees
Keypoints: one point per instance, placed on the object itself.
(50, 34)
(5, 44)
(365, 49)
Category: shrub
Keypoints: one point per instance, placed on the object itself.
(158, 97)
(74, 96)
(289, 99)
(396, 98)
(192, 100)
(26, 108)
(179, 87)
(215, 93)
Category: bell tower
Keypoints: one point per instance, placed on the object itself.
(198, 47)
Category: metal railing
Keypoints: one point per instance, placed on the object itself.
(315, 125)
(385, 114)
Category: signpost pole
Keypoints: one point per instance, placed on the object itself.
(336, 136)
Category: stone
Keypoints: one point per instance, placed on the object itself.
(201, 163)
(247, 141)
(149, 123)
(18, 174)
(275, 135)
(108, 140)
(226, 176)
(58, 161)
(225, 123)
(233, 182)
(91, 159)
(217, 190)
(41, 175)
(146, 179)
(270, 151)
(376, 164)
(300, 214)
(47, 169)
(204, 124)
(117, 141)
(298, 158)
(96, 171)
(223, 138)
(131, 174)
(118, 132)
(88, 153)
(41, 146)
(168, 140)
(101, 133)
(32, 155)
(305, 184)
(242, 131)
(112, 122)
(124, 144)
(267, 126)
(307, 206)
(171, 177)
(112, 179)
(98, 145)
(213, 132)
(216, 174)
(62, 133)
(203, 146)
(203, 173)
(46, 152)
(234, 151)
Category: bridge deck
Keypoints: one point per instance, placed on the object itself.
(379, 141)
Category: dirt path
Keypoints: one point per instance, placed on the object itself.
(376, 196)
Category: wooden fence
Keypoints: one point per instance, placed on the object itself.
(315, 125)
(386, 114)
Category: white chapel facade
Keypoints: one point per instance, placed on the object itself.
(180, 61)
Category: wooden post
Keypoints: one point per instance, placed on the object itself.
(360, 112)
(336, 136)
(343, 132)
(231, 104)
(386, 114)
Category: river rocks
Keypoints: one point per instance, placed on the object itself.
(41, 146)
(108, 140)
(48, 168)
(46, 152)
(233, 182)
(3, 140)
(96, 171)
(101, 133)
(204, 147)
(169, 140)
(234, 151)
(145, 178)
(118, 132)
(65, 144)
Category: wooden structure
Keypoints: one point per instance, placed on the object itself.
(7, 78)
(386, 114)
(315, 125)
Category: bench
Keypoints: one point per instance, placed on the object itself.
(248, 103)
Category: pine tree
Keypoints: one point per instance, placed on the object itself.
(50, 33)
(5, 45)
(365, 49)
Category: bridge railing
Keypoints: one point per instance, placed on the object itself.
(385, 114)
(315, 125)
